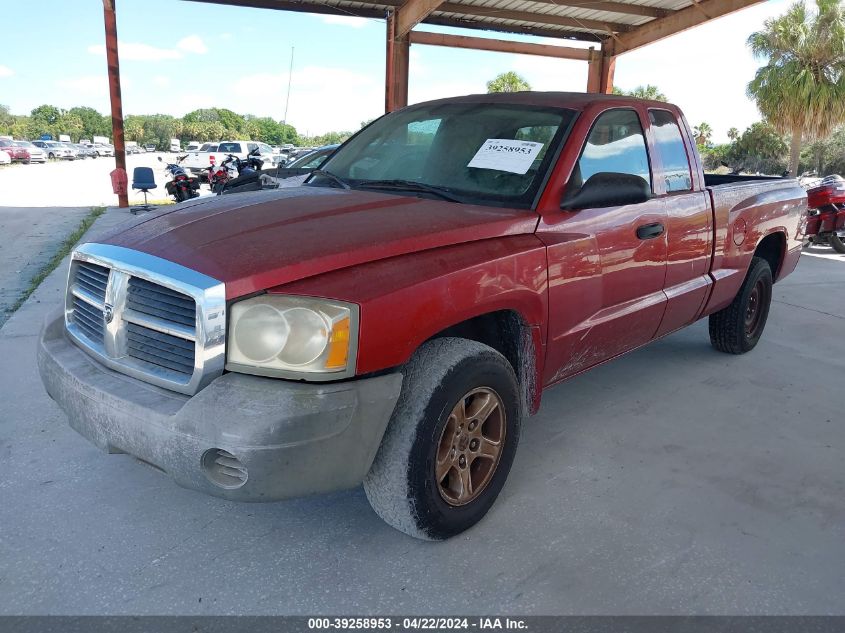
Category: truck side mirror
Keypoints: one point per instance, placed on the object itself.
(607, 189)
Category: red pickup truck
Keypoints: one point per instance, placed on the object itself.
(395, 319)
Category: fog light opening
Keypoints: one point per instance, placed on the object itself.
(223, 469)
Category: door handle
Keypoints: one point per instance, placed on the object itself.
(650, 231)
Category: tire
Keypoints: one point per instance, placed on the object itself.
(837, 243)
(737, 328)
(182, 195)
(402, 486)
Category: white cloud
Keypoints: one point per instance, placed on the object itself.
(344, 20)
(138, 52)
(5, 71)
(192, 44)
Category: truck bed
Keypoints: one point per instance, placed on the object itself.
(746, 209)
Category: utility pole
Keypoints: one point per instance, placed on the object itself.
(114, 93)
(290, 77)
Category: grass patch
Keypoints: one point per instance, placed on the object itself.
(58, 256)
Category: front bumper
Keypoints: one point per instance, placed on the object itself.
(292, 438)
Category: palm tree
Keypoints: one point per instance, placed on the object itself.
(508, 82)
(801, 89)
(702, 133)
(733, 134)
(642, 92)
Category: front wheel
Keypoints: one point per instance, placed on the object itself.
(737, 328)
(837, 243)
(450, 442)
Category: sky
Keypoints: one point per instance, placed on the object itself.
(177, 56)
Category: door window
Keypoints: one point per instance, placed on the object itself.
(616, 144)
(673, 154)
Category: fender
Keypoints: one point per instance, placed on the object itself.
(406, 300)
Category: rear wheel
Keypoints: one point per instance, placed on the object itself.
(837, 243)
(451, 440)
(737, 328)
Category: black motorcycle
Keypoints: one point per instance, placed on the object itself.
(181, 186)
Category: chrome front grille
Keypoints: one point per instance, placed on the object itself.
(89, 319)
(147, 317)
(158, 348)
(93, 279)
(157, 301)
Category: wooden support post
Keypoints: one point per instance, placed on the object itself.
(396, 66)
(110, 19)
(601, 68)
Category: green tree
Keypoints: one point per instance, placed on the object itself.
(642, 92)
(93, 123)
(133, 129)
(761, 148)
(733, 134)
(71, 125)
(508, 82)
(702, 133)
(801, 88)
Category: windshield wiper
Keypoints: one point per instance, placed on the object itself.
(408, 185)
(337, 179)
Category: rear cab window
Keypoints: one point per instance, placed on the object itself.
(229, 148)
(670, 146)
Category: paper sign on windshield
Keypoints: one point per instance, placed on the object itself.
(506, 155)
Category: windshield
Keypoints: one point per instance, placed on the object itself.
(496, 154)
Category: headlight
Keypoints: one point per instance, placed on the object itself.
(293, 337)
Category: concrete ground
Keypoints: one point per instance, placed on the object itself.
(30, 237)
(77, 183)
(675, 480)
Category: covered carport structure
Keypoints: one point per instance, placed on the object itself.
(613, 27)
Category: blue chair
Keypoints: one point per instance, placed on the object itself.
(143, 178)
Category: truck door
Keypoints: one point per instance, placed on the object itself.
(688, 221)
(606, 265)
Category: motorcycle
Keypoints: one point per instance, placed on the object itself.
(826, 217)
(219, 175)
(181, 186)
(249, 174)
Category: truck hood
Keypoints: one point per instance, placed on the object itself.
(257, 240)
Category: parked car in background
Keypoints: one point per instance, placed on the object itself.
(150, 147)
(175, 145)
(56, 150)
(5, 159)
(16, 153)
(103, 150)
(197, 163)
(307, 163)
(36, 154)
(83, 152)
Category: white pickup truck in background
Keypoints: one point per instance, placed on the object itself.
(198, 162)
